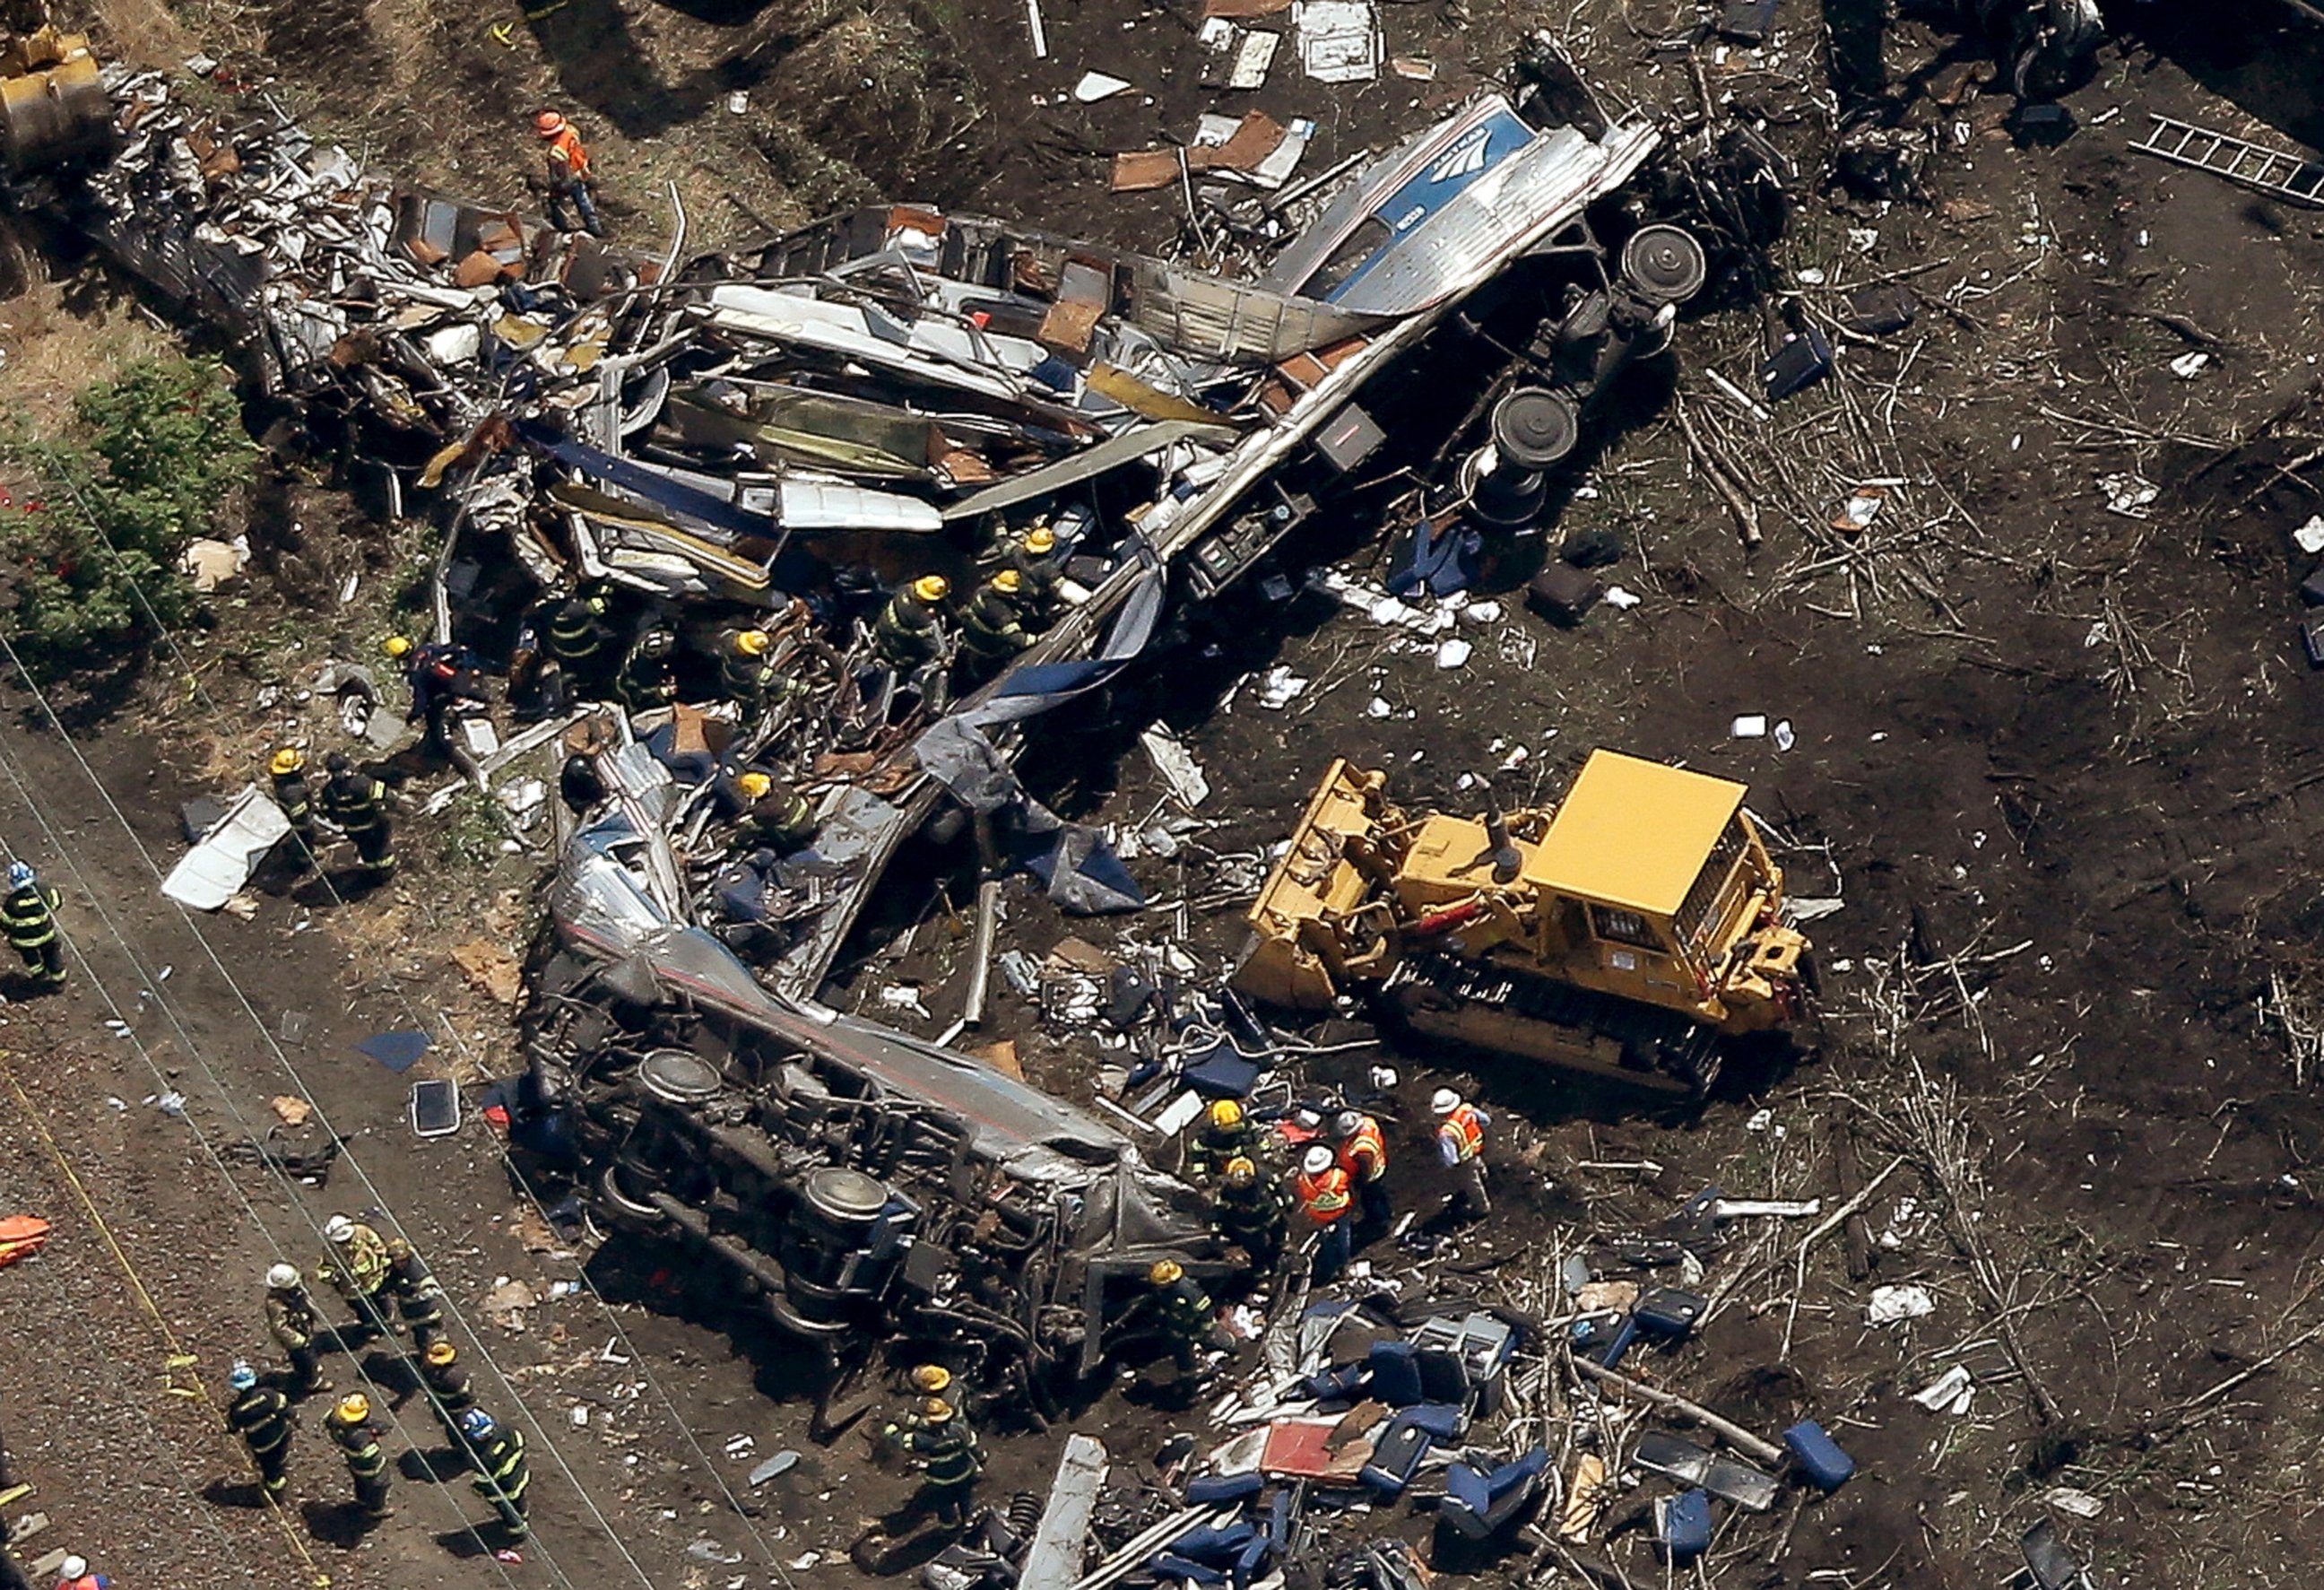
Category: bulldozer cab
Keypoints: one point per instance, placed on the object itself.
(1648, 880)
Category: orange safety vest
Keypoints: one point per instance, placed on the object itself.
(1464, 1131)
(565, 150)
(1364, 1156)
(1325, 1198)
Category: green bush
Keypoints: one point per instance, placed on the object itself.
(151, 458)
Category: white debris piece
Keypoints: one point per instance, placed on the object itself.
(1339, 39)
(2076, 1504)
(2187, 366)
(1177, 767)
(1751, 726)
(2310, 537)
(213, 871)
(1621, 600)
(903, 997)
(1950, 1392)
(1482, 613)
(1799, 909)
(1453, 653)
(1253, 58)
(1278, 686)
(1095, 85)
(1379, 708)
(2128, 494)
(1892, 1305)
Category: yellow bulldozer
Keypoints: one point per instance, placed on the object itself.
(1622, 933)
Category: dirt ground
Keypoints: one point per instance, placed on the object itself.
(2059, 763)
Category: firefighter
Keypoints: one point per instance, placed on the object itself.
(497, 1454)
(930, 1382)
(648, 676)
(578, 639)
(287, 772)
(348, 1424)
(447, 1383)
(746, 669)
(908, 633)
(569, 182)
(1033, 558)
(1249, 1212)
(261, 1416)
(1325, 1198)
(418, 1298)
(1363, 1155)
(1227, 1133)
(28, 915)
(438, 674)
(950, 1460)
(358, 1271)
(357, 803)
(1188, 1317)
(290, 1317)
(1460, 1144)
(992, 626)
(777, 816)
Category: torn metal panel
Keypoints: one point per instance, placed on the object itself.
(1053, 1561)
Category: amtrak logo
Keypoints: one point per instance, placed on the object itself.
(1465, 159)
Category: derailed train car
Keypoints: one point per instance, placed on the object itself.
(852, 1184)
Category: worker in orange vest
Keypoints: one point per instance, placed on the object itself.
(1363, 1155)
(1460, 1144)
(1324, 1197)
(569, 173)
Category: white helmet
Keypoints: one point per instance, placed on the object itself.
(282, 1276)
(1317, 1160)
(339, 1228)
(1444, 1102)
(73, 1568)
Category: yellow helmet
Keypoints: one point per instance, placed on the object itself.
(1166, 1272)
(754, 785)
(752, 643)
(1226, 1114)
(354, 1408)
(1240, 1172)
(932, 587)
(441, 1354)
(398, 647)
(1008, 582)
(286, 762)
(1040, 541)
(931, 1378)
(936, 1410)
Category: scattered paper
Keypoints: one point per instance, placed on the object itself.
(1862, 507)
(1751, 726)
(2187, 366)
(1278, 686)
(1892, 1305)
(1096, 86)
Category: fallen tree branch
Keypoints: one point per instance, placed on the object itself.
(1726, 1430)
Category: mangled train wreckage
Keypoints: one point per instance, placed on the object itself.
(775, 444)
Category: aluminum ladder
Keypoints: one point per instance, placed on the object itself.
(2295, 178)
